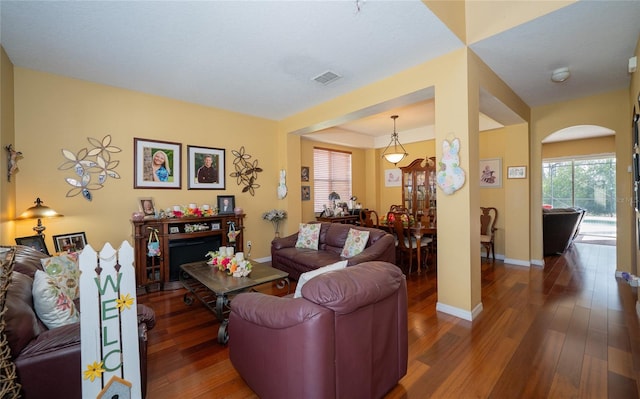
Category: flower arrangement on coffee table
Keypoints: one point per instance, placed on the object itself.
(234, 265)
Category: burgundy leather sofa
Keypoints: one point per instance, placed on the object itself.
(346, 337)
(295, 261)
(48, 361)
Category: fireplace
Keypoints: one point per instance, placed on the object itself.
(186, 250)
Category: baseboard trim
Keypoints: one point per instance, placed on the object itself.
(537, 262)
(459, 313)
(517, 262)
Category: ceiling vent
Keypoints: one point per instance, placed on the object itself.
(327, 77)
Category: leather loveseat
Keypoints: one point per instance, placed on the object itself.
(295, 261)
(560, 226)
(48, 361)
(346, 337)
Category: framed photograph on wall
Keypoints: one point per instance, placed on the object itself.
(491, 173)
(304, 173)
(226, 204)
(156, 164)
(634, 126)
(305, 193)
(392, 177)
(205, 168)
(36, 242)
(517, 172)
(70, 242)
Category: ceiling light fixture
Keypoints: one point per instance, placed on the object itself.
(397, 154)
(560, 75)
(39, 211)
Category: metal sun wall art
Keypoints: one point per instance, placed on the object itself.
(90, 163)
(246, 172)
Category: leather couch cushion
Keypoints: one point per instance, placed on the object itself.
(22, 325)
(360, 285)
(27, 260)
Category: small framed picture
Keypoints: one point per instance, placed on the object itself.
(226, 203)
(156, 164)
(392, 177)
(304, 173)
(36, 242)
(146, 206)
(70, 242)
(215, 226)
(306, 193)
(205, 168)
(174, 230)
(517, 172)
(491, 173)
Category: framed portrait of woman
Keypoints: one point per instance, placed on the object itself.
(156, 164)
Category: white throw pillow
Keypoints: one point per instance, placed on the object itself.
(53, 306)
(304, 277)
(355, 243)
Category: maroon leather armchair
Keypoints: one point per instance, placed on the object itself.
(47, 361)
(346, 337)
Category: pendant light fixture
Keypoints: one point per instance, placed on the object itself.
(397, 153)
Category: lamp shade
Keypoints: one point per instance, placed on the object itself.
(38, 211)
(394, 152)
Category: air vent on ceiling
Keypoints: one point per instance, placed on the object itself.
(327, 77)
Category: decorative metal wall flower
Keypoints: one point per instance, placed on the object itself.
(246, 172)
(90, 163)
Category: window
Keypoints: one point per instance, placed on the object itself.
(331, 172)
(588, 183)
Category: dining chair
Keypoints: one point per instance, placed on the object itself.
(487, 230)
(369, 218)
(406, 243)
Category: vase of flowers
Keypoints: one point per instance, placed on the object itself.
(275, 216)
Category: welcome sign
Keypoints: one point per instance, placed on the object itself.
(109, 323)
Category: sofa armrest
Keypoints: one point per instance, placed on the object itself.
(383, 249)
(284, 242)
(146, 316)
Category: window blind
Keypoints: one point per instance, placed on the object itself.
(331, 172)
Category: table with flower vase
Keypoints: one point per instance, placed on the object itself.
(214, 287)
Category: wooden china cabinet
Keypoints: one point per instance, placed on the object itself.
(419, 189)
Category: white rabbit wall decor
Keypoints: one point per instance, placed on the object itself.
(282, 187)
(451, 176)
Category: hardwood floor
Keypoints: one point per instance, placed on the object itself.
(567, 330)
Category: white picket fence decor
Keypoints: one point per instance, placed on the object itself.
(109, 323)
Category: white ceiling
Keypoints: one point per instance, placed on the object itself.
(260, 57)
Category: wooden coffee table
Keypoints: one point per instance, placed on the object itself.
(214, 288)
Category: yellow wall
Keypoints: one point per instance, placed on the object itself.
(610, 110)
(575, 148)
(7, 189)
(53, 112)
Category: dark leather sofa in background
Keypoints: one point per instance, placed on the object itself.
(560, 227)
(346, 337)
(295, 261)
(48, 361)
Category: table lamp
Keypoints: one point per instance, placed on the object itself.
(39, 211)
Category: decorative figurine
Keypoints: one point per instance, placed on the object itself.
(13, 157)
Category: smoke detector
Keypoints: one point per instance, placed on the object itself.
(560, 75)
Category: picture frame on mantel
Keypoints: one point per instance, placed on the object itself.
(156, 164)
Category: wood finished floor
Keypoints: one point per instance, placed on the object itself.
(568, 330)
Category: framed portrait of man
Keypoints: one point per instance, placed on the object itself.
(206, 169)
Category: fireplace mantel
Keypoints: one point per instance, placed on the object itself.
(153, 272)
